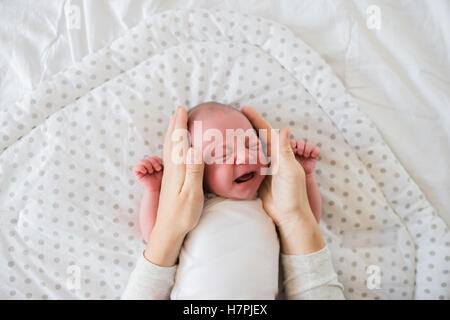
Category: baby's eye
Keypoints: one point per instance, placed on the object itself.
(227, 153)
(251, 142)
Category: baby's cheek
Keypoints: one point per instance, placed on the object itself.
(218, 178)
(262, 169)
(260, 179)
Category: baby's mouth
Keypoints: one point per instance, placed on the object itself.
(245, 177)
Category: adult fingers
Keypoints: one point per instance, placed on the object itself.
(180, 145)
(170, 127)
(259, 123)
(194, 170)
(176, 131)
(168, 137)
(175, 148)
(285, 143)
(281, 148)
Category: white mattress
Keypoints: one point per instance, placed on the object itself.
(399, 75)
(369, 100)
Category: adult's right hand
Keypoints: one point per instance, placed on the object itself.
(284, 193)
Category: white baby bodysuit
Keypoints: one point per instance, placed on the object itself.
(233, 253)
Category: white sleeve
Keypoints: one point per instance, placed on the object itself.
(149, 281)
(311, 277)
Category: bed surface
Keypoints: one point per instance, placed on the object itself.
(399, 74)
(402, 88)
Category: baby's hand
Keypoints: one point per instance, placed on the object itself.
(306, 154)
(149, 173)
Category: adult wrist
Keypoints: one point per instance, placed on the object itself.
(301, 216)
(300, 236)
(163, 247)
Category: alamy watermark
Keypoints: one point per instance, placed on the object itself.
(373, 20)
(374, 278)
(73, 16)
(238, 146)
(73, 281)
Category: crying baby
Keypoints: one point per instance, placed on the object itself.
(233, 252)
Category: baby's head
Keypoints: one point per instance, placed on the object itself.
(232, 163)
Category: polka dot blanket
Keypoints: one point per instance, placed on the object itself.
(69, 202)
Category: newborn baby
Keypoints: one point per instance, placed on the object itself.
(233, 252)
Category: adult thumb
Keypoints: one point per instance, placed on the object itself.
(281, 153)
(285, 145)
(194, 168)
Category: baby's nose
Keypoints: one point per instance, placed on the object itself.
(241, 156)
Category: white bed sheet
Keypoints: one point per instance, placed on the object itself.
(57, 185)
(399, 74)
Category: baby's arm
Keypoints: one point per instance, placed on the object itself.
(307, 156)
(149, 174)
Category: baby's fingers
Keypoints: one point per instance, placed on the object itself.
(300, 147)
(156, 165)
(139, 170)
(147, 164)
(315, 153)
(308, 149)
(158, 159)
(294, 146)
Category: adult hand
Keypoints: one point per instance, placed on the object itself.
(284, 193)
(181, 198)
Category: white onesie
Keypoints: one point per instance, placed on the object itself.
(233, 253)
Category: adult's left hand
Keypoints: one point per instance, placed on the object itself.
(181, 198)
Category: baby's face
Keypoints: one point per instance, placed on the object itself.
(232, 166)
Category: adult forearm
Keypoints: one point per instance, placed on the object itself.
(301, 235)
(164, 245)
(314, 197)
(147, 212)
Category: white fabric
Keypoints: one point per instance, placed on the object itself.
(149, 281)
(310, 277)
(306, 277)
(68, 197)
(399, 75)
(232, 253)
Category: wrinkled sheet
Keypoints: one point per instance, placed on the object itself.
(399, 74)
(430, 167)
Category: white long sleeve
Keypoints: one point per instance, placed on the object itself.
(310, 277)
(149, 281)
